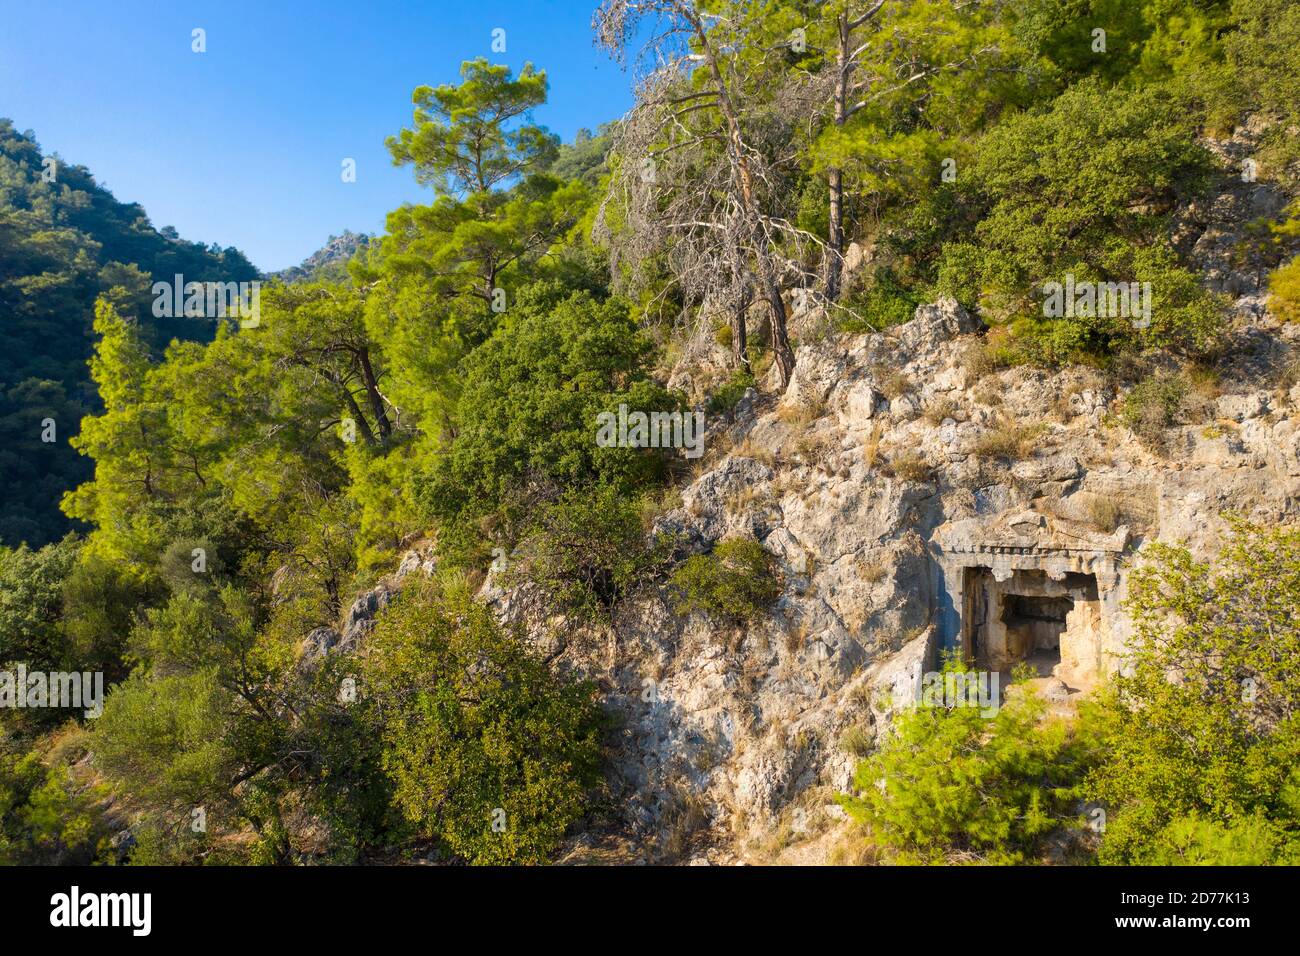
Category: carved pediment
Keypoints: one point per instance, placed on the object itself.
(1028, 532)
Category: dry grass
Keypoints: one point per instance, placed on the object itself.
(1138, 508)
(892, 382)
(748, 449)
(799, 415)
(814, 449)
(686, 818)
(796, 636)
(871, 447)
(871, 572)
(853, 850)
(936, 412)
(1009, 440)
(1104, 513)
(909, 466)
(989, 394)
(670, 499)
(750, 496)
(858, 740)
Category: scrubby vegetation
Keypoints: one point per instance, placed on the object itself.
(1200, 769)
(217, 493)
(738, 581)
(953, 784)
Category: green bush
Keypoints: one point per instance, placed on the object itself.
(951, 785)
(44, 817)
(1194, 764)
(527, 416)
(584, 551)
(738, 581)
(1153, 405)
(1044, 207)
(884, 304)
(491, 753)
(1284, 289)
(730, 392)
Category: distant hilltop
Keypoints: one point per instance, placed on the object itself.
(329, 261)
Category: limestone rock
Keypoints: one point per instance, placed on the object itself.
(320, 642)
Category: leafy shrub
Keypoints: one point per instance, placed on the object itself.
(950, 785)
(1154, 405)
(1195, 841)
(1043, 208)
(730, 392)
(44, 817)
(584, 551)
(1264, 75)
(491, 754)
(31, 603)
(528, 414)
(738, 581)
(1284, 289)
(1194, 763)
(886, 303)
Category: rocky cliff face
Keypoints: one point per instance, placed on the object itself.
(885, 447)
(848, 481)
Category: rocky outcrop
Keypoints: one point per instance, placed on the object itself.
(892, 460)
(749, 726)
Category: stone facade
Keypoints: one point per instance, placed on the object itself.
(1022, 582)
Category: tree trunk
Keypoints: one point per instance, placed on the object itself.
(372, 394)
(740, 168)
(835, 239)
(835, 175)
(362, 425)
(739, 333)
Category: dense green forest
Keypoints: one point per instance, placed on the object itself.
(217, 493)
(64, 240)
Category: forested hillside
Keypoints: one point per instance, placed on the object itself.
(366, 584)
(64, 240)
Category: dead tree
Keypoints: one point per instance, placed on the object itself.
(690, 182)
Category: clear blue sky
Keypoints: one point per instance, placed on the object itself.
(242, 145)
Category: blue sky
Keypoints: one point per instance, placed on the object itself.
(243, 145)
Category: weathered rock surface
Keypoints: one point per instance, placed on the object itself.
(729, 734)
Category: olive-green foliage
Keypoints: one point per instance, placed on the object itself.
(528, 412)
(61, 609)
(1153, 405)
(1202, 729)
(884, 304)
(584, 551)
(45, 817)
(1044, 206)
(464, 139)
(213, 717)
(953, 785)
(491, 753)
(1194, 841)
(730, 392)
(1264, 74)
(738, 581)
(1284, 289)
(31, 603)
